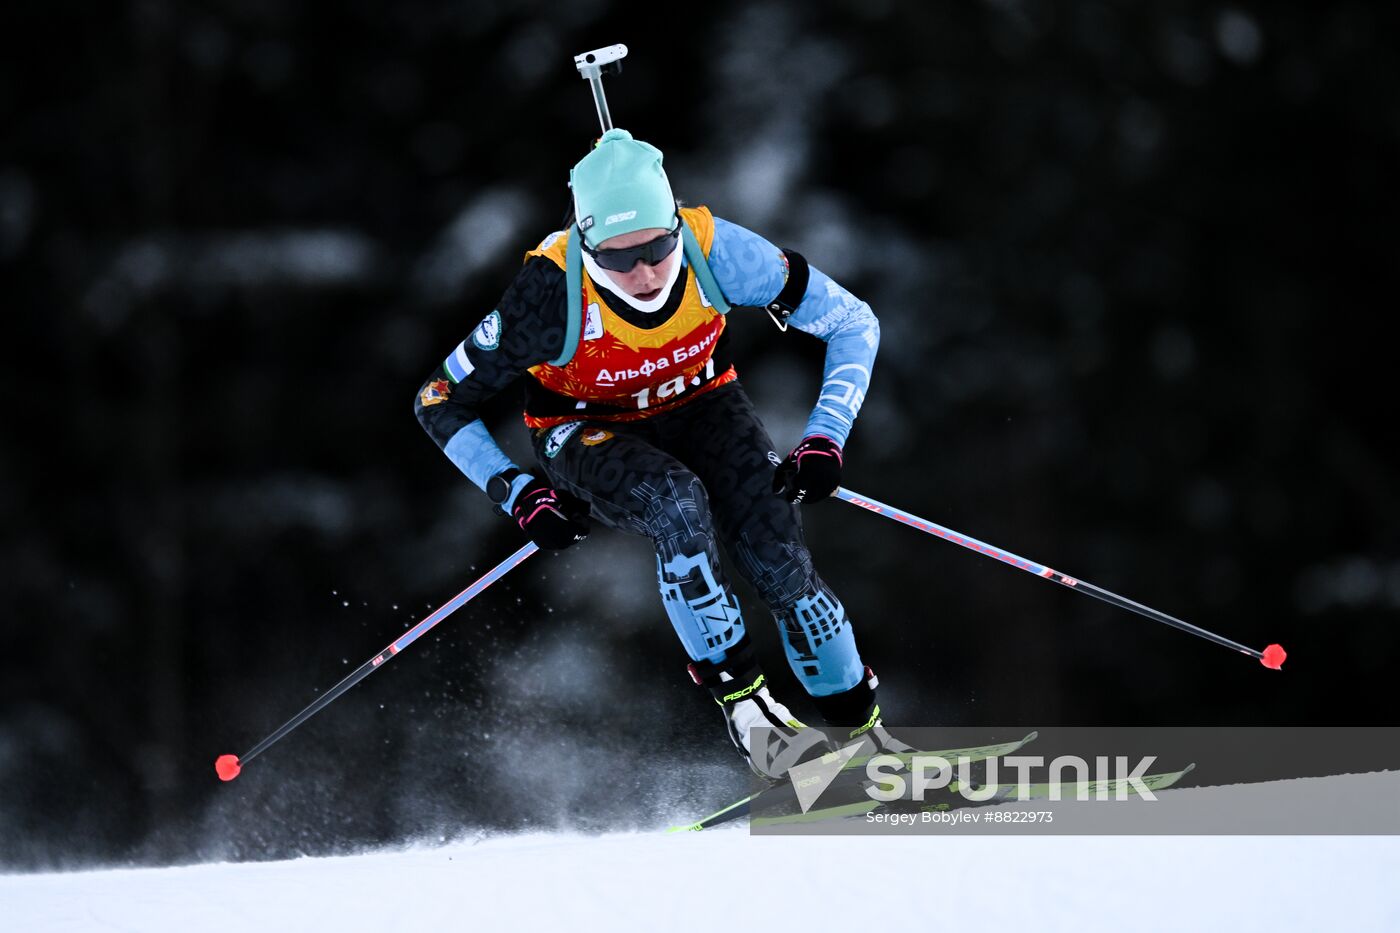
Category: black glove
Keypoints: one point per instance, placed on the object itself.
(553, 519)
(811, 472)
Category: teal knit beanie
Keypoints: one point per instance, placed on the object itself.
(620, 187)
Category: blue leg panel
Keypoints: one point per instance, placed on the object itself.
(820, 646)
(702, 610)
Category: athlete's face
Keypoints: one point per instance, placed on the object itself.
(643, 282)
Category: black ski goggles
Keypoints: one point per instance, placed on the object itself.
(622, 260)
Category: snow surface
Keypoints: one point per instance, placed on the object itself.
(725, 879)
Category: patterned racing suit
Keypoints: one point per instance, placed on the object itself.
(649, 424)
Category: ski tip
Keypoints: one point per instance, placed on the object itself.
(1273, 657)
(1030, 738)
(227, 767)
(691, 828)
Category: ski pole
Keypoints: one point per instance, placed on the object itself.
(228, 766)
(593, 65)
(1272, 657)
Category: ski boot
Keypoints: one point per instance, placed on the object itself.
(741, 690)
(854, 715)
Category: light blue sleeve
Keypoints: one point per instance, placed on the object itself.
(476, 454)
(751, 271)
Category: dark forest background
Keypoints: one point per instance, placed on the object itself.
(1132, 261)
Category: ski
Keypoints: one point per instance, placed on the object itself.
(1005, 793)
(742, 807)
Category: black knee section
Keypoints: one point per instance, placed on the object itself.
(677, 509)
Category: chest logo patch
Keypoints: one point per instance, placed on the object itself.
(594, 328)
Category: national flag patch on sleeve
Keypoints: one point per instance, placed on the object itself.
(457, 366)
